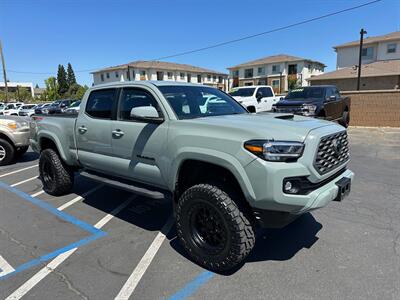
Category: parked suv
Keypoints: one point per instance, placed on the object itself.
(321, 101)
(14, 138)
(226, 170)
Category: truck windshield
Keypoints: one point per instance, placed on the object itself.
(242, 92)
(305, 93)
(189, 102)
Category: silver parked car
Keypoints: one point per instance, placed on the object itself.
(14, 138)
(27, 110)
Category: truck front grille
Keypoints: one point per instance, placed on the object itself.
(333, 151)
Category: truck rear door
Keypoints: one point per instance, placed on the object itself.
(93, 130)
(138, 146)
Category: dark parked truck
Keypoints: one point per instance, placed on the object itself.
(226, 170)
(321, 101)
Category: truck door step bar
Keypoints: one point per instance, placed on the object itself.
(126, 185)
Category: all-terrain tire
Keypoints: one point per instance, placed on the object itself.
(21, 151)
(57, 178)
(240, 238)
(7, 152)
(345, 120)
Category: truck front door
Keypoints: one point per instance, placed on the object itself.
(93, 130)
(138, 146)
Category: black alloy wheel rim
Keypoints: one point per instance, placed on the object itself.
(48, 174)
(208, 230)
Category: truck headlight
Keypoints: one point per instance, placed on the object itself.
(309, 109)
(282, 151)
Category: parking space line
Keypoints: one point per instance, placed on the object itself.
(5, 267)
(137, 274)
(17, 171)
(37, 193)
(23, 181)
(79, 198)
(51, 266)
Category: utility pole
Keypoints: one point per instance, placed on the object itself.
(362, 32)
(4, 72)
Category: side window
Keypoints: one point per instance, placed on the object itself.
(337, 94)
(266, 92)
(329, 92)
(132, 98)
(100, 103)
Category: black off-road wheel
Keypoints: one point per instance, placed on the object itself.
(7, 152)
(57, 178)
(345, 121)
(21, 151)
(214, 231)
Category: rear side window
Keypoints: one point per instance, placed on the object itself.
(266, 92)
(133, 97)
(100, 103)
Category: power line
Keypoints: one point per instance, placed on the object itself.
(230, 41)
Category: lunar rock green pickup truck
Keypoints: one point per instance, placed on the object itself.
(227, 171)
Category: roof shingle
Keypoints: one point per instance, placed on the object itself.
(375, 69)
(273, 59)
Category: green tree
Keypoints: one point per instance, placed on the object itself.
(22, 94)
(71, 80)
(52, 88)
(81, 92)
(62, 81)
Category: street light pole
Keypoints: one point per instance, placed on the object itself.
(4, 72)
(362, 32)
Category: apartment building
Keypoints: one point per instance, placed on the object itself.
(159, 70)
(375, 48)
(279, 71)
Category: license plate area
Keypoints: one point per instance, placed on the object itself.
(344, 185)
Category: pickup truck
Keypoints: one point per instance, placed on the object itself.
(259, 98)
(320, 101)
(14, 138)
(226, 171)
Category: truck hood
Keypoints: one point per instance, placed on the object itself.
(297, 102)
(275, 126)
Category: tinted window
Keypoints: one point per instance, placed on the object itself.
(100, 103)
(306, 92)
(134, 98)
(266, 92)
(191, 102)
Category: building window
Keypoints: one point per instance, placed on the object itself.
(169, 74)
(367, 53)
(108, 75)
(262, 82)
(116, 74)
(261, 71)
(276, 68)
(292, 69)
(214, 78)
(249, 83)
(208, 77)
(182, 75)
(219, 79)
(102, 77)
(248, 73)
(275, 84)
(235, 73)
(391, 48)
(199, 78)
(143, 75)
(160, 76)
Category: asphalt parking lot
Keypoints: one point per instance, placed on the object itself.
(102, 243)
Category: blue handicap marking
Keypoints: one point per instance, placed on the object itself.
(6, 270)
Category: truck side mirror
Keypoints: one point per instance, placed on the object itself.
(147, 114)
(259, 95)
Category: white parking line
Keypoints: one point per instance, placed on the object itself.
(79, 198)
(5, 267)
(51, 266)
(37, 193)
(133, 280)
(23, 181)
(17, 171)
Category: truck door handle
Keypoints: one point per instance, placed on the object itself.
(82, 129)
(117, 133)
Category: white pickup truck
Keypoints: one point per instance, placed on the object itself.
(255, 98)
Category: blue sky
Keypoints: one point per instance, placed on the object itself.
(37, 35)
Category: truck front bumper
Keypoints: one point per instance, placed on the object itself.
(21, 138)
(272, 203)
